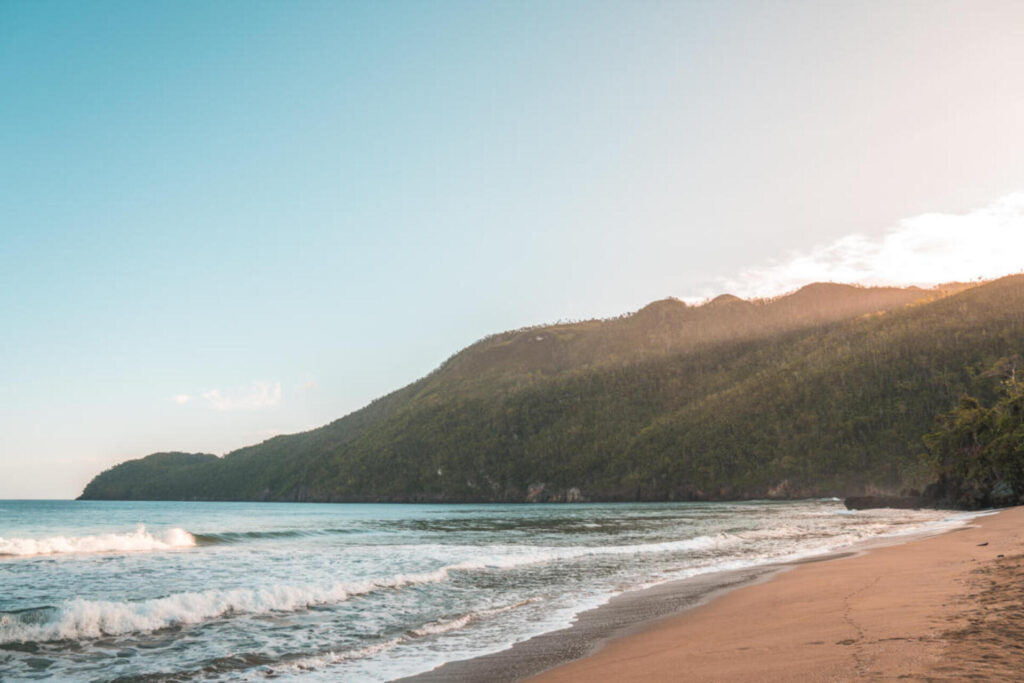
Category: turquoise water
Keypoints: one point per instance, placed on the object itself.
(262, 591)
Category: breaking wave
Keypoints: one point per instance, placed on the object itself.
(83, 619)
(138, 540)
(80, 619)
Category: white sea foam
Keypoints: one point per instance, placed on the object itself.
(83, 619)
(513, 556)
(317, 662)
(79, 619)
(434, 628)
(278, 581)
(440, 626)
(787, 552)
(139, 540)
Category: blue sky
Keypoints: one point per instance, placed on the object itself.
(225, 220)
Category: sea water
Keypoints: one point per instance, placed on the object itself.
(260, 591)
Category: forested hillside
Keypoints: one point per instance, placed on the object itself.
(826, 391)
(977, 453)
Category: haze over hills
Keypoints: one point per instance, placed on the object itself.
(825, 391)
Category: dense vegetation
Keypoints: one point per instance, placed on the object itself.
(826, 391)
(977, 453)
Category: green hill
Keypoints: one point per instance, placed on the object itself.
(826, 391)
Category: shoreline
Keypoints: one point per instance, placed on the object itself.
(621, 616)
(947, 606)
(634, 613)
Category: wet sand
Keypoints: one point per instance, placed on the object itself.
(945, 608)
(621, 616)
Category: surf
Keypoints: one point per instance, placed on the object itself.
(137, 541)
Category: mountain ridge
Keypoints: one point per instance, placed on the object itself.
(620, 409)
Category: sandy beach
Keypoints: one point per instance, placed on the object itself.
(944, 608)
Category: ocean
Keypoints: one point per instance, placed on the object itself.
(150, 591)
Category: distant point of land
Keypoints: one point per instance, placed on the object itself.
(826, 391)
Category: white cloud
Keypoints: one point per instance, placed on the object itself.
(257, 396)
(181, 399)
(923, 250)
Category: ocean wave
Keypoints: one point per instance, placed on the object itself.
(513, 556)
(84, 619)
(435, 628)
(229, 537)
(320, 661)
(441, 626)
(139, 540)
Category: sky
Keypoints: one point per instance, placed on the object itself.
(221, 221)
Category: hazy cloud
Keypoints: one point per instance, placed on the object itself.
(257, 396)
(923, 250)
(181, 399)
